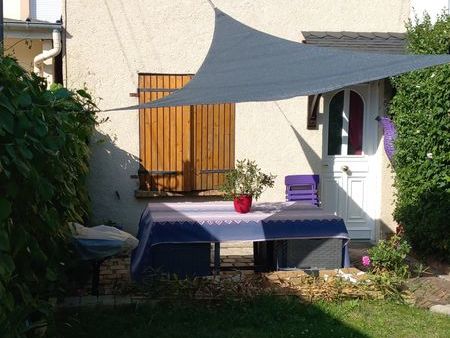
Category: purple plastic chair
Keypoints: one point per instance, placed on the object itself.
(302, 188)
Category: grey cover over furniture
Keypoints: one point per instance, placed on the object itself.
(323, 253)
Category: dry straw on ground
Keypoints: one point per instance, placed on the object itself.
(327, 285)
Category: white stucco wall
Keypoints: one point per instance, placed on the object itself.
(110, 42)
(386, 223)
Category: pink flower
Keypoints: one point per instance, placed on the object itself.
(365, 260)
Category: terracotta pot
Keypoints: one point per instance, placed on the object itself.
(243, 203)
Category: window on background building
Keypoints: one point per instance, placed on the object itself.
(46, 10)
(185, 148)
(11, 9)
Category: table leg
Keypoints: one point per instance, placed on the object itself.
(263, 256)
(216, 258)
(95, 277)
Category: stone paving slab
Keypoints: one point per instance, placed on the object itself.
(445, 277)
(429, 291)
(235, 244)
(236, 248)
(443, 309)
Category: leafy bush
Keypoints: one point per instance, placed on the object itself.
(43, 164)
(246, 179)
(421, 113)
(389, 256)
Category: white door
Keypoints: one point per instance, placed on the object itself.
(348, 172)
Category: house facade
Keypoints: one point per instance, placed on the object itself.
(136, 51)
(33, 35)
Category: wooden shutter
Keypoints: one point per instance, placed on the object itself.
(214, 144)
(183, 148)
(313, 110)
(165, 134)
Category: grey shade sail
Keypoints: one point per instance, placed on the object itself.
(244, 64)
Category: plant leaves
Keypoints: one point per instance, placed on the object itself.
(44, 157)
(7, 121)
(25, 100)
(84, 94)
(45, 189)
(5, 208)
(4, 241)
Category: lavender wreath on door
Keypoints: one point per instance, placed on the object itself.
(390, 134)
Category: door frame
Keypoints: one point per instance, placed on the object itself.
(371, 96)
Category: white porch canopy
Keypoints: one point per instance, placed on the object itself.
(244, 64)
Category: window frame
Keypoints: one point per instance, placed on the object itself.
(199, 174)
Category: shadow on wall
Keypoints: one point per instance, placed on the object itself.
(311, 156)
(112, 190)
(384, 229)
(110, 186)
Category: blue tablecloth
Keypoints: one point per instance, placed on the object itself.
(210, 222)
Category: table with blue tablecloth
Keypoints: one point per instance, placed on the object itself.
(217, 222)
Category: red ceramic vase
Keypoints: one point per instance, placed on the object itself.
(243, 203)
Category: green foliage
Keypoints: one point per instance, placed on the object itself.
(43, 164)
(421, 113)
(391, 286)
(246, 179)
(390, 256)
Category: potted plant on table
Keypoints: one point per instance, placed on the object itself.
(245, 183)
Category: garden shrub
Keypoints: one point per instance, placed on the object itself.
(421, 113)
(390, 256)
(43, 165)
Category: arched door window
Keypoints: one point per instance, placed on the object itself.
(346, 124)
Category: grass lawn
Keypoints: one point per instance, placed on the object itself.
(263, 317)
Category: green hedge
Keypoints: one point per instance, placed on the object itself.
(43, 165)
(421, 112)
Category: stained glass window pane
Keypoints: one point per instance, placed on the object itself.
(355, 125)
(335, 124)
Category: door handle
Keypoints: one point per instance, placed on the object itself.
(344, 168)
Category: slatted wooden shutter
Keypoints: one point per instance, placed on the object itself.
(183, 148)
(165, 134)
(214, 144)
(313, 110)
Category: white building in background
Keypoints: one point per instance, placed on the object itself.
(42, 10)
(432, 7)
(33, 35)
(46, 10)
